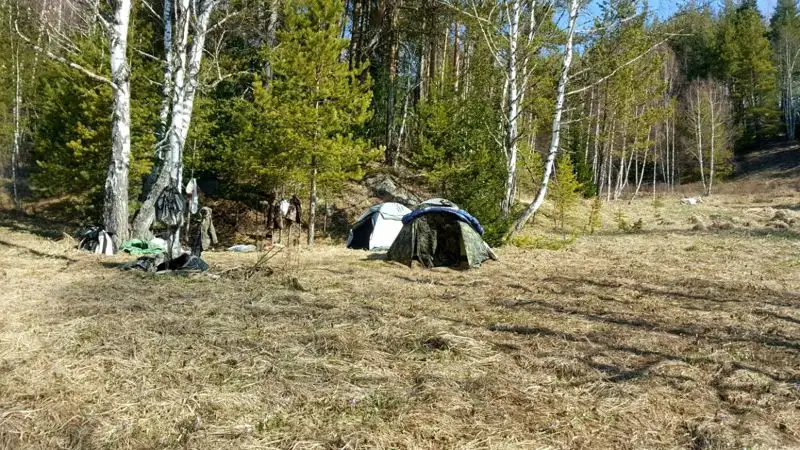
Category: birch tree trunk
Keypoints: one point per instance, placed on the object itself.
(188, 57)
(115, 200)
(641, 175)
(698, 106)
(115, 207)
(596, 144)
(162, 133)
(512, 112)
(674, 167)
(711, 105)
(17, 125)
(556, 128)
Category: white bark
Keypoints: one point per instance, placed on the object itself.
(513, 108)
(711, 106)
(115, 208)
(698, 110)
(513, 51)
(17, 126)
(641, 173)
(187, 57)
(556, 128)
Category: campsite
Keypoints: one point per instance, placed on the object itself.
(660, 339)
(399, 224)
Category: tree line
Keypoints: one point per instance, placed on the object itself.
(112, 104)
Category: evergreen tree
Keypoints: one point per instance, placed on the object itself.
(314, 104)
(565, 192)
(746, 64)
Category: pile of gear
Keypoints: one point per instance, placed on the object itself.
(158, 254)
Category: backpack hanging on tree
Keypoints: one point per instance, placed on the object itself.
(169, 207)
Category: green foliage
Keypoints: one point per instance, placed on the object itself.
(746, 62)
(462, 160)
(542, 243)
(72, 134)
(595, 221)
(583, 174)
(621, 220)
(695, 43)
(565, 192)
(308, 112)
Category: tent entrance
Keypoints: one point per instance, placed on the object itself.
(447, 250)
(362, 235)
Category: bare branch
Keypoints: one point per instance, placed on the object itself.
(65, 61)
(149, 56)
(152, 11)
(222, 21)
(620, 67)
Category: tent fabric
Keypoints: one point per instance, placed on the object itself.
(459, 213)
(443, 202)
(139, 247)
(377, 227)
(439, 238)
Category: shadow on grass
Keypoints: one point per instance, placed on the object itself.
(38, 253)
(741, 232)
(26, 223)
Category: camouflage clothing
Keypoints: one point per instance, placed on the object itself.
(204, 234)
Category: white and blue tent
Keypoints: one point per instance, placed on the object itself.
(377, 228)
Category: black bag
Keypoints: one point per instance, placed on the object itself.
(97, 240)
(170, 207)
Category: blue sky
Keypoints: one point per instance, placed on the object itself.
(665, 8)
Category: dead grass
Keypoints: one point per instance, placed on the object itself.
(664, 338)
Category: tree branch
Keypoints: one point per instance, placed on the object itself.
(620, 67)
(65, 61)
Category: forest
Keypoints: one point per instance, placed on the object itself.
(621, 272)
(107, 104)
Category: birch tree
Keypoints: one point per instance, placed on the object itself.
(709, 129)
(785, 24)
(186, 28)
(115, 23)
(514, 44)
(563, 81)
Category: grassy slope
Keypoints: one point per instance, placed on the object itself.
(660, 339)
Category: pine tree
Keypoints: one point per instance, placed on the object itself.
(595, 221)
(747, 66)
(315, 103)
(566, 191)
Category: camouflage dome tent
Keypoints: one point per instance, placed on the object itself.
(438, 233)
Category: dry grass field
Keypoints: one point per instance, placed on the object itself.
(676, 336)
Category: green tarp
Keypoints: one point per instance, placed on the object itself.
(139, 247)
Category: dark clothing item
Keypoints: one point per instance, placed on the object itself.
(203, 233)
